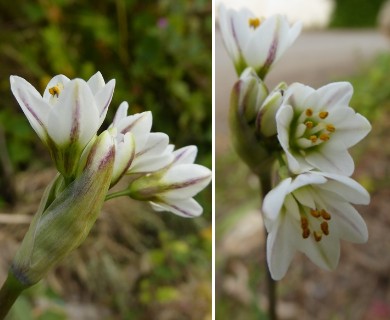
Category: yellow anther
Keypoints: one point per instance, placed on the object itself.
(305, 233)
(317, 235)
(325, 228)
(315, 213)
(309, 112)
(330, 128)
(313, 138)
(323, 114)
(309, 124)
(325, 215)
(324, 136)
(254, 22)
(55, 91)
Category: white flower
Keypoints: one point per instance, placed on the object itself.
(67, 116)
(172, 188)
(137, 149)
(256, 43)
(316, 128)
(310, 214)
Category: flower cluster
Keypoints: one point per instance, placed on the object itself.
(308, 131)
(67, 118)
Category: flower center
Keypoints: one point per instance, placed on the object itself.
(254, 22)
(317, 218)
(313, 129)
(55, 91)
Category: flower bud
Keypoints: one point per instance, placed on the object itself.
(61, 225)
(265, 121)
(172, 188)
(248, 105)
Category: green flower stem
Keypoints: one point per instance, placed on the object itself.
(117, 194)
(266, 186)
(9, 292)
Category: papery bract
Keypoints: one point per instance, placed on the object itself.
(310, 213)
(61, 224)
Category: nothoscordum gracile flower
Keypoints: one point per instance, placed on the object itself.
(138, 150)
(67, 116)
(316, 128)
(310, 213)
(172, 188)
(253, 42)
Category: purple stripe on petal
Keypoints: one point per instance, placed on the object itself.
(104, 110)
(30, 109)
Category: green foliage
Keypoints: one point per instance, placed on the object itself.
(372, 88)
(355, 13)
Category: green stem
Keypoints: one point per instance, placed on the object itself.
(116, 194)
(9, 292)
(266, 186)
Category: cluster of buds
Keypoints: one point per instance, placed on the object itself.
(308, 131)
(67, 118)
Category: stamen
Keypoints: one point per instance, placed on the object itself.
(254, 22)
(309, 124)
(304, 222)
(325, 228)
(325, 215)
(55, 91)
(315, 213)
(313, 138)
(324, 137)
(305, 233)
(309, 112)
(317, 236)
(323, 114)
(330, 128)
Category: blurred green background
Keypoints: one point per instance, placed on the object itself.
(136, 264)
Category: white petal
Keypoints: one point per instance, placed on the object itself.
(297, 94)
(58, 79)
(185, 155)
(273, 201)
(187, 208)
(124, 155)
(325, 253)
(281, 247)
(154, 156)
(225, 24)
(284, 117)
(305, 179)
(103, 98)
(335, 95)
(346, 188)
(186, 180)
(96, 82)
(75, 116)
(332, 157)
(120, 114)
(34, 107)
(139, 125)
(350, 225)
(263, 45)
(351, 127)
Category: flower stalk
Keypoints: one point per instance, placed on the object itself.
(9, 292)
